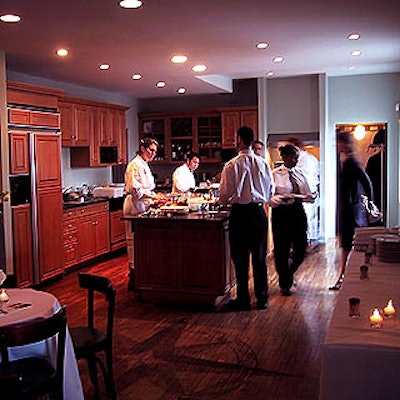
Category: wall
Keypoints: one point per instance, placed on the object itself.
(91, 176)
(292, 105)
(244, 94)
(371, 98)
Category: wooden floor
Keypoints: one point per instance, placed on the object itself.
(173, 353)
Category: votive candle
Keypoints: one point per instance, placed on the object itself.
(3, 295)
(376, 318)
(389, 310)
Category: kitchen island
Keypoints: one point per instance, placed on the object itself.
(182, 258)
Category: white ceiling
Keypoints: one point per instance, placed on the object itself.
(310, 34)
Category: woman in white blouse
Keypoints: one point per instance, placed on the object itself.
(139, 180)
(289, 221)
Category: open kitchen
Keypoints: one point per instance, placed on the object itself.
(208, 293)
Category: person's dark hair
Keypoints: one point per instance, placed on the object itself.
(146, 142)
(288, 149)
(258, 142)
(192, 155)
(296, 142)
(246, 134)
(379, 137)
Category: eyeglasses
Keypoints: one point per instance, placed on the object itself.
(152, 150)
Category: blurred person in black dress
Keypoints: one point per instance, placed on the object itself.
(247, 184)
(353, 182)
(289, 220)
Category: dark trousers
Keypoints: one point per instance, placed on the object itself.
(247, 235)
(289, 231)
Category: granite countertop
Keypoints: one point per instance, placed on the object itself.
(88, 201)
(191, 216)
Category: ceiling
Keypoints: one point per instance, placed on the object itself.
(311, 35)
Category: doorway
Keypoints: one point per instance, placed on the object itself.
(371, 139)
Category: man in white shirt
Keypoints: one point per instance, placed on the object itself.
(247, 184)
(183, 179)
(309, 165)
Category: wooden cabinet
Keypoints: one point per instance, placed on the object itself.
(23, 94)
(205, 132)
(19, 153)
(94, 231)
(49, 204)
(233, 119)
(117, 230)
(22, 232)
(86, 233)
(121, 137)
(157, 127)
(209, 137)
(95, 132)
(48, 160)
(182, 260)
(49, 226)
(75, 124)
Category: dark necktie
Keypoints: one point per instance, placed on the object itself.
(294, 182)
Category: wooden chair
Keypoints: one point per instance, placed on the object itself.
(90, 341)
(31, 377)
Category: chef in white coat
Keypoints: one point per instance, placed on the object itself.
(183, 180)
(139, 180)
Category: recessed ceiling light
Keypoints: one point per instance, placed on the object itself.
(104, 66)
(199, 68)
(181, 90)
(352, 68)
(278, 59)
(353, 36)
(179, 59)
(62, 52)
(10, 18)
(130, 3)
(270, 73)
(136, 77)
(262, 45)
(356, 53)
(161, 84)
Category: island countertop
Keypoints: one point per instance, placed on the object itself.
(219, 216)
(182, 258)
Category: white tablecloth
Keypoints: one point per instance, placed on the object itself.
(359, 362)
(42, 305)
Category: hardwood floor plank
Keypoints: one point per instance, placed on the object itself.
(167, 353)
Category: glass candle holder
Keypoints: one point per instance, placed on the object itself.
(376, 319)
(354, 307)
(368, 255)
(363, 272)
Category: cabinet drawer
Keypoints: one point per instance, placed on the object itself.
(20, 117)
(36, 118)
(92, 209)
(40, 118)
(71, 213)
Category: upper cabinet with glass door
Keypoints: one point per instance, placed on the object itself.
(209, 134)
(157, 129)
(182, 137)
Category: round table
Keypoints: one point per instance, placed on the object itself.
(28, 304)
